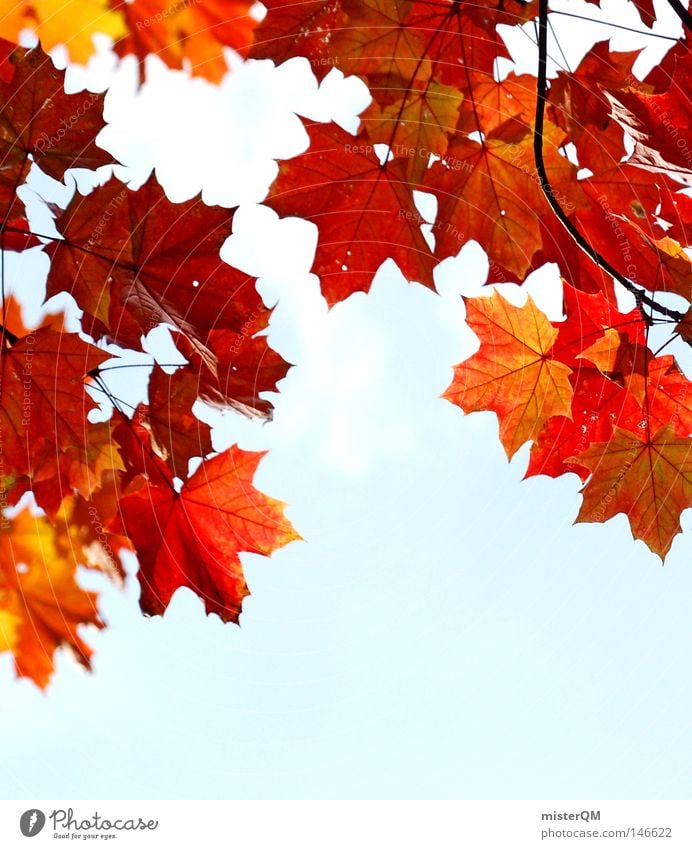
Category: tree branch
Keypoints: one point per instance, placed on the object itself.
(541, 89)
(681, 12)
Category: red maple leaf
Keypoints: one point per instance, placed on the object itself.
(193, 537)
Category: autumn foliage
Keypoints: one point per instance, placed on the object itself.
(587, 170)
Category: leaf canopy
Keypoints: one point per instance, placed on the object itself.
(587, 171)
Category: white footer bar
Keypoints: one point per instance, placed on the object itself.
(346, 825)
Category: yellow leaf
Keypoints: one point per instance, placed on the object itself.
(41, 604)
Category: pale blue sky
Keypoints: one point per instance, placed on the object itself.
(443, 632)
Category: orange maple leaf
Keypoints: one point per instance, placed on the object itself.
(489, 191)
(187, 32)
(178, 31)
(650, 480)
(43, 426)
(513, 373)
(72, 23)
(193, 537)
(41, 604)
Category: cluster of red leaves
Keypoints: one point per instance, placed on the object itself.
(453, 130)
(588, 392)
(593, 399)
(132, 260)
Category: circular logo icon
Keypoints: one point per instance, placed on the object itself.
(31, 822)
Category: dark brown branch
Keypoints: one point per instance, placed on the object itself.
(681, 12)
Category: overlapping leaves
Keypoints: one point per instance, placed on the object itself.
(183, 33)
(593, 399)
(444, 122)
(133, 261)
(589, 393)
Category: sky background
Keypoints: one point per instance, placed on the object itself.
(444, 631)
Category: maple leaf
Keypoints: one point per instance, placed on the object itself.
(501, 171)
(668, 396)
(580, 106)
(187, 32)
(659, 125)
(489, 103)
(513, 373)
(620, 360)
(377, 40)
(54, 22)
(134, 260)
(55, 463)
(649, 479)
(587, 317)
(599, 401)
(464, 37)
(193, 537)
(299, 29)
(587, 391)
(180, 33)
(598, 404)
(177, 433)
(375, 36)
(660, 264)
(414, 125)
(415, 58)
(364, 211)
(85, 522)
(247, 366)
(622, 225)
(641, 254)
(621, 189)
(40, 123)
(42, 380)
(41, 604)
